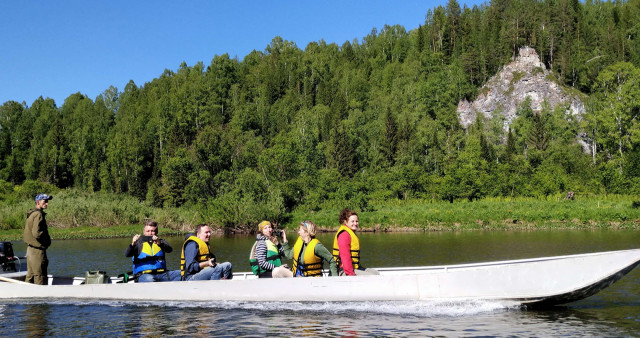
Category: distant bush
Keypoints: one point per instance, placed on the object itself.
(29, 189)
(247, 203)
(5, 188)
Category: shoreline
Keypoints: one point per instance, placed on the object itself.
(124, 231)
(106, 216)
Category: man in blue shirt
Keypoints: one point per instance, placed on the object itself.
(198, 262)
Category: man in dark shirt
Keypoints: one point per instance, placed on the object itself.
(148, 254)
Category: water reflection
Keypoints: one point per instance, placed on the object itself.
(36, 319)
(308, 319)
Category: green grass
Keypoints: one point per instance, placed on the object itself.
(74, 215)
(89, 232)
(490, 214)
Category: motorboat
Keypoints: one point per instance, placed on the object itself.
(11, 266)
(535, 281)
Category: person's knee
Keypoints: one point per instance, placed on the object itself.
(282, 272)
(226, 266)
(145, 278)
(175, 275)
(227, 270)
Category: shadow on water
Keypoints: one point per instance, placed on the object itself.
(36, 320)
(590, 321)
(615, 308)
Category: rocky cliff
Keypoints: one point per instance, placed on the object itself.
(522, 78)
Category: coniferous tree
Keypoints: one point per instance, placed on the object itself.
(306, 125)
(341, 153)
(389, 138)
(538, 134)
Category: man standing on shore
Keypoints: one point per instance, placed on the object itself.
(36, 236)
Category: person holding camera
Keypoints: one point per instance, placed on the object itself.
(266, 253)
(198, 262)
(148, 255)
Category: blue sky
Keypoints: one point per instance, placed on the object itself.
(57, 48)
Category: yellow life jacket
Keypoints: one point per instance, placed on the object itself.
(355, 248)
(204, 253)
(312, 266)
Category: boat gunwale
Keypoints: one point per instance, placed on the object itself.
(572, 295)
(504, 262)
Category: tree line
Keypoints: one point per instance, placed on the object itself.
(368, 121)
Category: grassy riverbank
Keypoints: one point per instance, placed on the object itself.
(74, 214)
(615, 212)
(88, 232)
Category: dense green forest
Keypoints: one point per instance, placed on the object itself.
(368, 121)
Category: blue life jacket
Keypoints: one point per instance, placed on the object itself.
(149, 260)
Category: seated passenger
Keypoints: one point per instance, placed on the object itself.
(198, 262)
(266, 252)
(346, 246)
(148, 255)
(309, 254)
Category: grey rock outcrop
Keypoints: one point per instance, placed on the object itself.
(522, 78)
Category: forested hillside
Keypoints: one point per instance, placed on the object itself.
(367, 121)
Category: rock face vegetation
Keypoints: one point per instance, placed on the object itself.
(525, 81)
(361, 123)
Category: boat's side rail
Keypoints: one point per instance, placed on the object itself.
(631, 255)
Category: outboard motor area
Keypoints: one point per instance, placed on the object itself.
(7, 258)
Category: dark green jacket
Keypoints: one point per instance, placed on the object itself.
(36, 233)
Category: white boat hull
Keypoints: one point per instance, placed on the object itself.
(547, 281)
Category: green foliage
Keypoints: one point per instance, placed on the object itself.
(615, 111)
(517, 76)
(538, 138)
(341, 153)
(612, 211)
(247, 201)
(29, 189)
(72, 208)
(176, 177)
(389, 138)
(356, 124)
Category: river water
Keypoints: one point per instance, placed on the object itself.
(613, 312)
